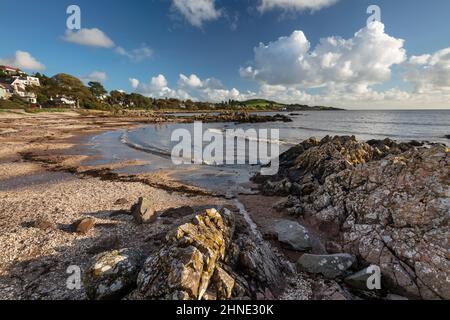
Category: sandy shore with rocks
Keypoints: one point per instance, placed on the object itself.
(33, 262)
(337, 208)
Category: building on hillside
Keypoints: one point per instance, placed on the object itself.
(65, 101)
(28, 96)
(6, 91)
(26, 81)
(11, 70)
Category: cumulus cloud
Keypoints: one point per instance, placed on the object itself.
(196, 12)
(136, 55)
(299, 5)
(429, 73)
(157, 88)
(359, 62)
(23, 60)
(134, 83)
(89, 37)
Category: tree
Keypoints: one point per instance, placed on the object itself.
(97, 88)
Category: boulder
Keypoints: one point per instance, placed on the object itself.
(294, 235)
(84, 225)
(330, 266)
(383, 201)
(143, 211)
(184, 266)
(113, 274)
(359, 279)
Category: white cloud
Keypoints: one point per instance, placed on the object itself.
(364, 60)
(89, 37)
(136, 55)
(134, 83)
(157, 88)
(299, 5)
(97, 76)
(193, 81)
(23, 60)
(197, 12)
(429, 73)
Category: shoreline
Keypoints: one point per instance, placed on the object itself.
(43, 180)
(34, 190)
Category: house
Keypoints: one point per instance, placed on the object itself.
(64, 101)
(10, 70)
(30, 97)
(26, 81)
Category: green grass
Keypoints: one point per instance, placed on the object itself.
(261, 104)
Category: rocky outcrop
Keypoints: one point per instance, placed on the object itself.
(207, 259)
(385, 202)
(241, 117)
(113, 274)
(182, 269)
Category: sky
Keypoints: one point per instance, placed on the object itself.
(316, 52)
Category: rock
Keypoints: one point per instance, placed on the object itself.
(84, 225)
(183, 268)
(257, 260)
(447, 136)
(330, 266)
(385, 202)
(293, 235)
(143, 211)
(224, 284)
(112, 275)
(359, 279)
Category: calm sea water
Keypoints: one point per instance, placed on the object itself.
(152, 143)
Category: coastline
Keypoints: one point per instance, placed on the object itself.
(44, 180)
(34, 261)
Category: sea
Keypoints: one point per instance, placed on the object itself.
(152, 143)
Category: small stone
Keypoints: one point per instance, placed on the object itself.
(330, 266)
(143, 211)
(359, 279)
(84, 225)
(294, 235)
(112, 275)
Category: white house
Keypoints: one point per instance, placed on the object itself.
(31, 97)
(26, 81)
(63, 100)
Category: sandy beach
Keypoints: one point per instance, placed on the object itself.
(34, 261)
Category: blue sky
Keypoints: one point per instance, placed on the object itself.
(160, 41)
